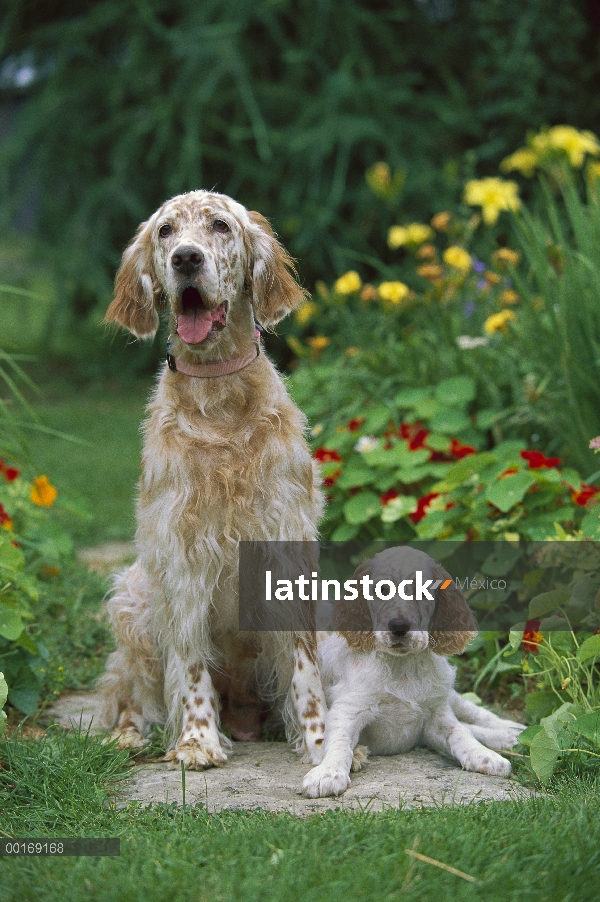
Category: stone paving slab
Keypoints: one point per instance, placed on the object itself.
(267, 775)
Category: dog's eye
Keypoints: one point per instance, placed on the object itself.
(165, 230)
(220, 225)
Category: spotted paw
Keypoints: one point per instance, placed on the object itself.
(129, 738)
(196, 756)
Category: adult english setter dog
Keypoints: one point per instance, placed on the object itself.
(224, 460)
(387, 681)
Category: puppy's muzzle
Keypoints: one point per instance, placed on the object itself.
(187, 260)
(399, 628)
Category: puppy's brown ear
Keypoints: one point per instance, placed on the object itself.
(276, 291)
(137, 290)
(453, 624)
(352, 619)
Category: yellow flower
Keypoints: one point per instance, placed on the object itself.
(394, 292)
(574, 143)
(42, 492)
(305, 313)
(493, 195)
(322, 289)
(498, 322)
(523, 160)
(379, 178)
(348, 283)
(441, 221)
(352, 351)
(509, 297)
(458, 258)
(505, 255)
(318, 342)
(491, 277)
(409, 236)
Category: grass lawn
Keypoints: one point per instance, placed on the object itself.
(540, 849)
(104, 470)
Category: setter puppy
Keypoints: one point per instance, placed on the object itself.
(388, 684)
(224, 460)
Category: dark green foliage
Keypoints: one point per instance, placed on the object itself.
(281, 104)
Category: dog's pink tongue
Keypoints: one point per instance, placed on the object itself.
(193, 327)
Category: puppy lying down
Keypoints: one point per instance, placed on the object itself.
(387, 682)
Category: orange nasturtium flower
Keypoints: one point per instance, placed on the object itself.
(43, 492)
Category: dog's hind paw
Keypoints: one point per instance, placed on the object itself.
(486, 762)
(129, 738)
(196, 756)
(359, 758)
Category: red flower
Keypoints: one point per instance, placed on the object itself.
(508, 472)
(414, 434)
(388, 496)
(5, 518)
(422, 505)
(326, 455)
(331, 480)
(459, 450)
(355, 423)
(537, 460)
(9, 473)
(584, 494)
(532, 638)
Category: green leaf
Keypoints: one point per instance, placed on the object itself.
(457, 391)
(345, 532)
(544, 752)
(588, 649)
(11, 625)
(509, 491)
(361, 507)
(410, 397)
(541, 704)
(590, 525)
(398, 507)
(438, 442)
(3, 691)
(468, 467)
(486, 418)
(449, 421)
(11, 558)
(589, 726)
(527, 735)
(355, 476)
(546, 602)
(501, 561)
(376, 418)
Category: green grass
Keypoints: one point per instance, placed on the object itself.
(545, 848)
(104, 470)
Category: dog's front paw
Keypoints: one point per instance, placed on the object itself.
(485, 761)
(196, 756)
(325, 781)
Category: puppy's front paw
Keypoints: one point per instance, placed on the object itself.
(485, 761)
(324, 781)
(196, 756)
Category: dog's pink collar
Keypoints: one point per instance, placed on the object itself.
(215, 367)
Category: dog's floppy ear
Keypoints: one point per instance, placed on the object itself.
(275, 289)
(352, 619)
(137, 291)
(453, 624)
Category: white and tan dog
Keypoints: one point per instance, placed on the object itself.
(388, 685)
(224, 460)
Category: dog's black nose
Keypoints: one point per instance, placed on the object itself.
(186, 260)
(398, 627)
